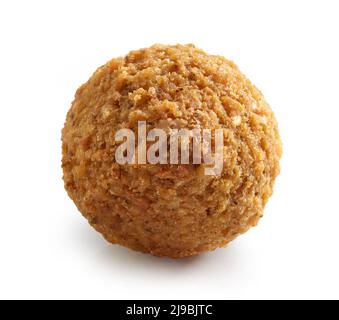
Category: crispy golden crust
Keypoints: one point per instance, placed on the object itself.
(170, 210)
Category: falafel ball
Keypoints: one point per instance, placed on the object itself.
(164, 209)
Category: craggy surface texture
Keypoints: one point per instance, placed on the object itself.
(170, 210)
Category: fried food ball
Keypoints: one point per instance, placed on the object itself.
(164, 209)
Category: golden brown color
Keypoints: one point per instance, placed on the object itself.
(170, 210)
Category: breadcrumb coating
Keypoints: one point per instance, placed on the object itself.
(170, 210)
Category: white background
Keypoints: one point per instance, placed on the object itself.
(289, 49)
